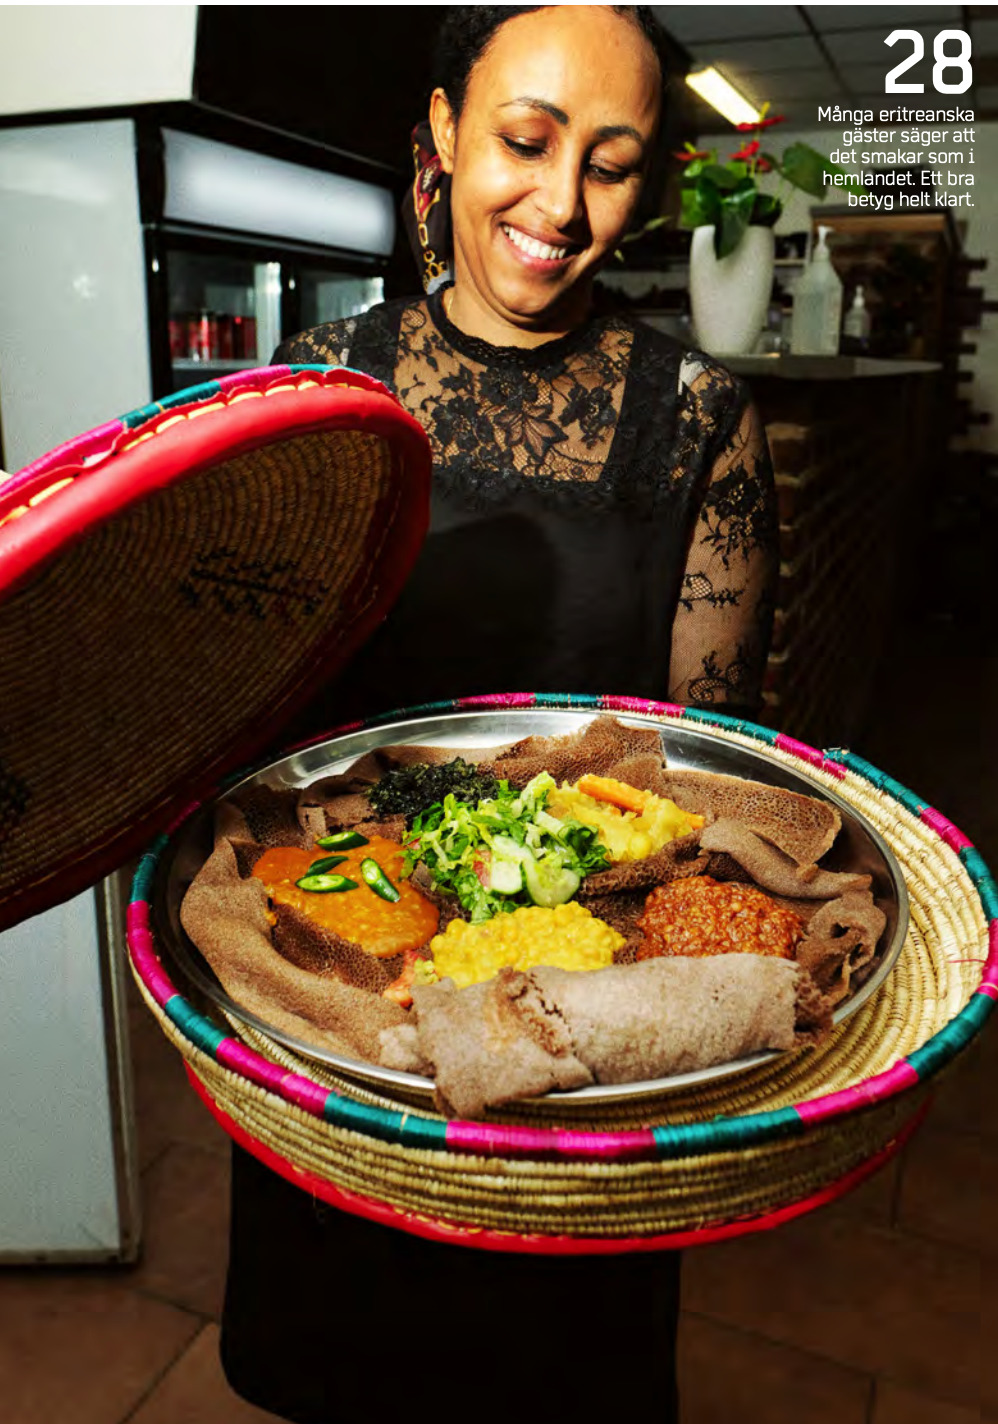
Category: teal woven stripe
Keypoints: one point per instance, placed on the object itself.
(883, 782)
(421, 709)
(146, 869)
(733, 724)
(725, 1133)
(984, 881)
(563, 699)
(381, 1122)
(950, 1040)
(138, 417)
(194, 1025)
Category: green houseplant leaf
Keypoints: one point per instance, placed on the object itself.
(736, 213)
(805, 168)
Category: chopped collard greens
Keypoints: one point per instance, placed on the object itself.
(407, 790)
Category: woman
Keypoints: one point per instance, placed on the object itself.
(602, 521)
(602, 515)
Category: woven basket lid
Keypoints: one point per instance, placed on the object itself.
(173, 586)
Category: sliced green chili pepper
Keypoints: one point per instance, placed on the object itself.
(325, 884)
(342, 840)
(325, 863)
(376, 878)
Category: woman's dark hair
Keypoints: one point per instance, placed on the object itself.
(467, 32)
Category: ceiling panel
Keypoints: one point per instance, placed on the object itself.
(692, 23)
(984, 34)
(791, 52)
(815, 83)
(869, 79)
(857, 17)
(867, 46)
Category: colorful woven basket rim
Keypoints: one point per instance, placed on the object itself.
(482, 1238)
(408, 1127)
(138, 498)
(73, 457)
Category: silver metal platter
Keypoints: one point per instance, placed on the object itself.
(858, 847)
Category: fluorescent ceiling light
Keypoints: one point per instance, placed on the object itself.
(723, 96)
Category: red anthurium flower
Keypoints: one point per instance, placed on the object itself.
(747, 152)
(763, 165)
(775, 119)
(747, 128)
(688, 154)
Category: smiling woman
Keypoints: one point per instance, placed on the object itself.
(602, 521)
(547, 166)
(603, 513)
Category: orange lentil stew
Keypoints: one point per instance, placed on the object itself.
(699, 916)
(382, 927)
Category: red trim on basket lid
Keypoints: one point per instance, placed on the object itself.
(175, 446)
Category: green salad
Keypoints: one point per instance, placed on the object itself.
(501, 852)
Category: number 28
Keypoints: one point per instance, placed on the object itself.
(944, 61)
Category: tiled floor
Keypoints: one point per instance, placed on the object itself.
(873, 1311)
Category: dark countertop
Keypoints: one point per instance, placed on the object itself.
(824, 368)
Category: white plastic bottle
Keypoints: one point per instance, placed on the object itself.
(817, 305)
(856, 327)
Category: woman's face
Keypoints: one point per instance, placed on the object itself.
(547, 158)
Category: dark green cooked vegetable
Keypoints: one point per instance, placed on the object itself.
(376, 878)
(407, 790)
(325, 884)
(325, 863)
(342, 840)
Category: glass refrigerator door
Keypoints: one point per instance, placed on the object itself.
(224, 314)
(324, 295)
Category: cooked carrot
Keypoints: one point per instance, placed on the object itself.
(617, 793)
(399, 991)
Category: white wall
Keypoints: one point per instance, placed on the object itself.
(55, 57)
(74, 348)
(981, 241)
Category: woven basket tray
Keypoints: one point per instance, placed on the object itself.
(689, 1166)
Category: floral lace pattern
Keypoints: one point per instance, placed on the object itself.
(613, 420)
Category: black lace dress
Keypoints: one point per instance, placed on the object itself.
(603, 521)
(603, 516)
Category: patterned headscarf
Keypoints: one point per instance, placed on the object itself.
(426, 211)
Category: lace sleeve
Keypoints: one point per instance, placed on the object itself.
(723, 624)
(327, 345)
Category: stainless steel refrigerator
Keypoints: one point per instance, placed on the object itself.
(137, 257)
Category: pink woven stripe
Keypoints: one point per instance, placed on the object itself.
(989, 978)
(499, 699)
(235, 1055)
(308, 1095)
(951, 834)
(137, 916)
(611, 1146)
(82, 447)
(873, 1090)
(490, 1139)
(631, 704)
(326, 736)
(149, 969)
(643, 704)
(800, 749)
(834, 768)
(182, 816)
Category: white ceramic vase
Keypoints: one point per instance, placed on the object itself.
(730, 295)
